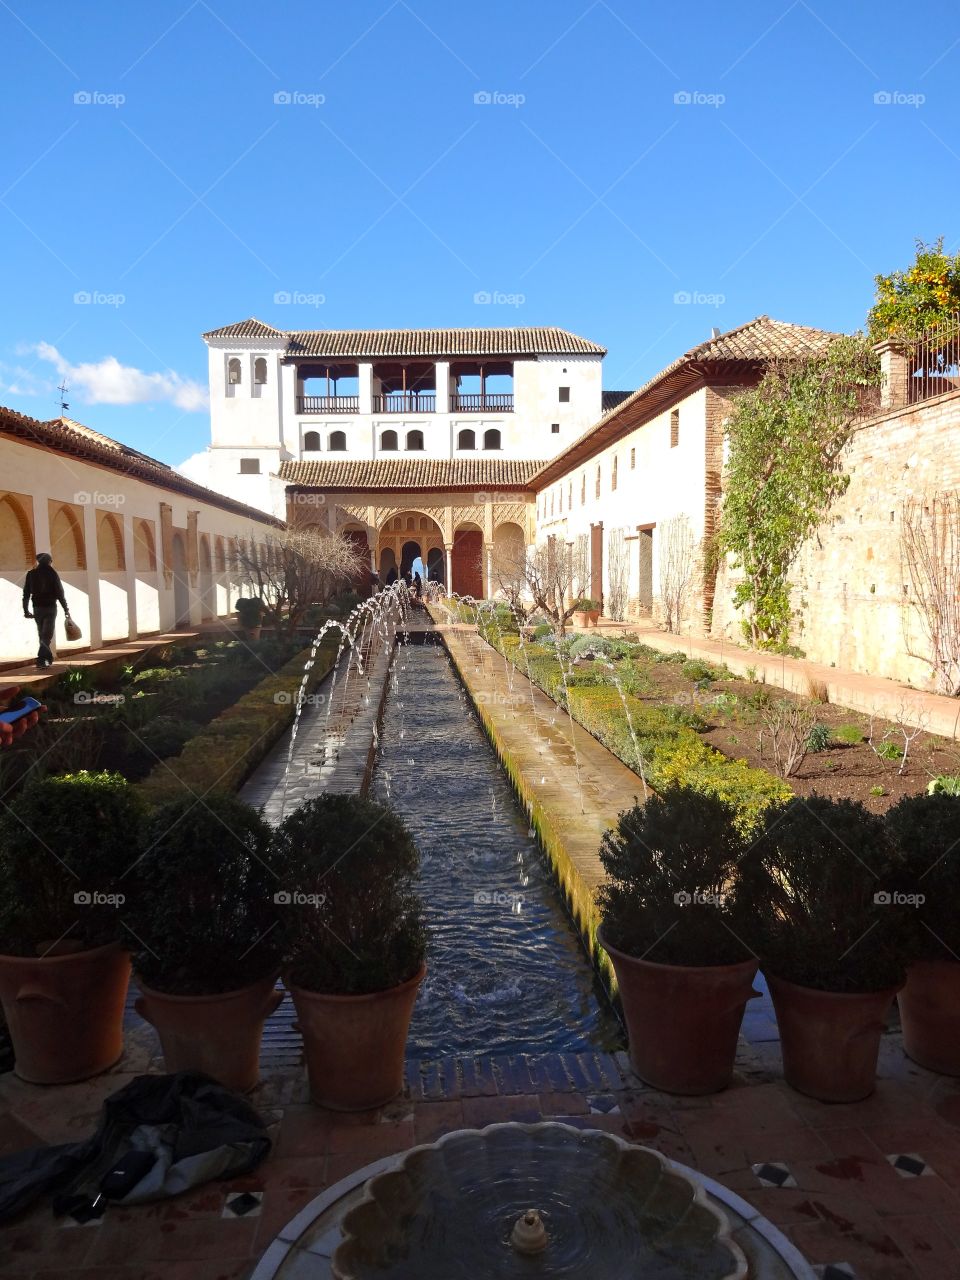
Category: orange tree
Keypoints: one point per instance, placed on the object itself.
(907, 302)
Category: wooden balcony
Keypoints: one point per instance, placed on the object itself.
(406, 402)
(501, 402)
(328, 404)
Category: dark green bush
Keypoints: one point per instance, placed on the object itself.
(819, 737)
(354, 923)
(162, 736)
(697, 670)
(887, 750)
(201, 902)
(925, 830)
(672, 894)
(63, 855)
(814, 873)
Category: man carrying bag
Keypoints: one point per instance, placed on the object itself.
(44, 588)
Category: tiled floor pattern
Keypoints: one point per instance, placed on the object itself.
(868, 1190)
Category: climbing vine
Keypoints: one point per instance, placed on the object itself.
(783, 472)
(907, 302)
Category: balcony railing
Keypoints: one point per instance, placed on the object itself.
(500, 402)
(406, 402)
(328, 404)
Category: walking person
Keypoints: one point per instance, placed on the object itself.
(44, 588)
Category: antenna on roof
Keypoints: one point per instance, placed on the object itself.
(63, 400)
(714, 332)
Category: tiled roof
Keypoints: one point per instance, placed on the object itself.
(436, 343)
(745, 350)
(63, 435)
(251, 328)
(411, 473)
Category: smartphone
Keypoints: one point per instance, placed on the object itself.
(19, 708)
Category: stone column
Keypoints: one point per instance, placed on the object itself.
(365, 387)
(92, 552)
(288, 430)
(442, 370)
(130, 576)
(448, 558)
(488, 584)
(895, 372)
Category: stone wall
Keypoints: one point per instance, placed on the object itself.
(850, 587)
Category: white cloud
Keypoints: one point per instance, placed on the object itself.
(110, 382)
(196, 468)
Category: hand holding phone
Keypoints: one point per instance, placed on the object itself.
(19, 714)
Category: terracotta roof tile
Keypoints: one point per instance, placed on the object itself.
(378, 343)
(63, 435)
(411, 473)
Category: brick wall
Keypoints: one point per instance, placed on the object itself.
(849, 583)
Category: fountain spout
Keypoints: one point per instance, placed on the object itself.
(529, 1235)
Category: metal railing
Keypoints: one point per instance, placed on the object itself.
(934, 361)
(328, 404)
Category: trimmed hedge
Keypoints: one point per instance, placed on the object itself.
(673, 753)
(222, 755)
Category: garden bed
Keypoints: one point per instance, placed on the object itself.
(701, 726)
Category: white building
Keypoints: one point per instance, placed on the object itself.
(140, 548)
(365, 395)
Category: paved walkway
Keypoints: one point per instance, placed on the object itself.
(870, 694)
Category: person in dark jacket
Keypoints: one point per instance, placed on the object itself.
(44, 588)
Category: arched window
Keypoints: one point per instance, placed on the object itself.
(414, 439)
(110, 544)
(144, 547)
(491, 438)
(219, 557)
(389, 441)
(260, 370)
(338, 441)
(16, 535)
(311, 440)
(234, 371)
(66, 540)
(613, 474)
(467, 439)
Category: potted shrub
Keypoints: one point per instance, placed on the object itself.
(833, 951)
(586, 612)
(250, 615)
(926, 833)
(205, 920)
(355, 945)
(671, 909)
(63, 972)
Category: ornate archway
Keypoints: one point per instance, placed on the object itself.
(406, 534)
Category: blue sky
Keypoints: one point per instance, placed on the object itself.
(183, 165)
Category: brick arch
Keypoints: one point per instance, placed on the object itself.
(109, 543)
(17, 546)
(66, 539)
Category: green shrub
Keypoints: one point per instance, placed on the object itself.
(543, 631)
(818, 739)
(163, 736)
(586, 646)
(877, 791)
(757, 699)
(249, 612)
(586, 605)
(686, 717)
(72, 835)
(670, 895)
(887, 750)
(359, 924)
(944, 784)
(678, 658)
(850, 735)
(205, 922)
(696, 670)
(925, 830)
(813, 873)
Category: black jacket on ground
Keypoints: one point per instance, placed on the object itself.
(43, 583)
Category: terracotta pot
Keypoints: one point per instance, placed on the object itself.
(930, 1015)
(830, 1040)
(65, 1012)
(593, 617)
(354, 1045)
(581, 618)
(683, 1023)
(217, 1034)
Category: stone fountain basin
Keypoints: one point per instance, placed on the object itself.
(610, 1208)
